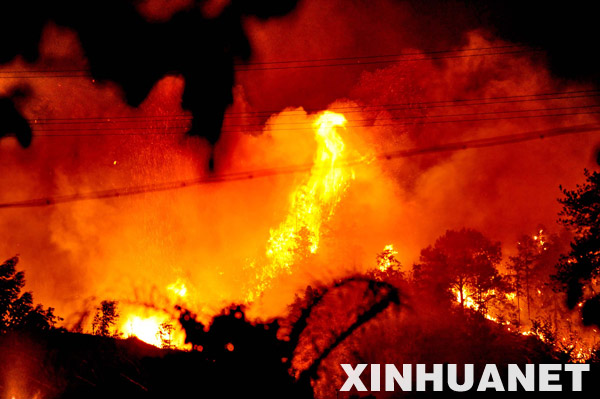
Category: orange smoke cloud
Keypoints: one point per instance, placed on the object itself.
(133, 248)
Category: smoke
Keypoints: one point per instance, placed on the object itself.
(131, 248)
(136, 43)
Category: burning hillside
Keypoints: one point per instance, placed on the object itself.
(321, 181)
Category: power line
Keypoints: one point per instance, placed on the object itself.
(430, 116)
(364, 57)
(300, 61)
(164, 130)
(431, 52)
(82, 73)
(460, 102)
(249, 175)
(431, 104)
(309, 124)
(394, 61)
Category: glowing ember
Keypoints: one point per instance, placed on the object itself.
(310, 204)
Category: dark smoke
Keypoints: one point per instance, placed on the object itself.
(123, 47)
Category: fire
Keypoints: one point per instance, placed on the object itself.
(155, 327)
(387, 260)
(311, 204)
(178, 288)
(146, 329)
(469, 302)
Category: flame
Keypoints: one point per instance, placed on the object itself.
(156, 327)
(311, 204)
(146, 329)
(178, 288)
(469, 302)
(386, 261)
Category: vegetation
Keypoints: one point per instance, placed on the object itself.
(462, 264)
(16, 309)
(165, 335)
(579, 271)
(462, 303)
(105, 319)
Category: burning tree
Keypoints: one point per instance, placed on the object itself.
(16, 309)
(165, 335)
(463, 263)
(532, 267)
(578, 272)
(526, 267)
(388, 267)
(106, 317)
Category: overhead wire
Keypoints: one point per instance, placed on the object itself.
(416, 120)
(303, 64)
(420, 105)
(262, 173)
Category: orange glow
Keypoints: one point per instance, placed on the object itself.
(144, 329)
(469, 302)
(204, 247)
(178, 288)
(385, 262)
(154, 328)
(310, 205)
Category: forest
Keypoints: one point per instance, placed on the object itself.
(462, 303)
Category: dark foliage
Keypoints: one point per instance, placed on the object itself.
(105, 319)
(578, 270)
(235, 358)
(252, 352)
(16, 309)
(232, 358)
(460, 262)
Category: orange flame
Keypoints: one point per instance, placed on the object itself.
(156, 327)
(311, 204)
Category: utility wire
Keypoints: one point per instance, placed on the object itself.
(168, 130)
(314, 63)
(249, 175)
(424, 116)
(308, 125)
(394, 61)
(304, 60)
(346, 109)
(383, 55)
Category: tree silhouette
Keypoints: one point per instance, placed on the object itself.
(255, 352)
(105, 318)
(16, 308)
(165, 335)
(462, 263)
(529, 251)
(532, 268)
(578, 271)
(387, 267)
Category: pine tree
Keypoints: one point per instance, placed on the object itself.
(579, 271)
